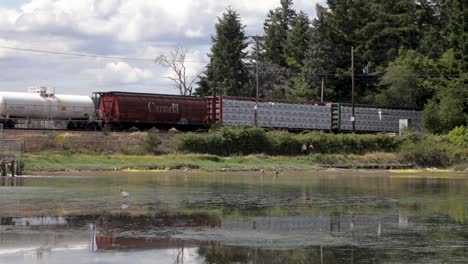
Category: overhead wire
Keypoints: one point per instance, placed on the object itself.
(94, 56)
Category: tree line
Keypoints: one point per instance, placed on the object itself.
(407, 53)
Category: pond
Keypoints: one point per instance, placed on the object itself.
(330, 216)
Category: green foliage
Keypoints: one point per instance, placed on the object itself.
(407, 54)
(459, 136)
(318, 61)
(297, 42)
(277, 50)
(132, 151)
(350, 143)
(284, 143)
(225, 141)
(277, 26)
(152, 142)
(226, 73)
(427, 150)
(431, 119)
(403, 84)
(448, 109)
(243, 140)
(457, 31)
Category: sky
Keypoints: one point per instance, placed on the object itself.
(113, 28)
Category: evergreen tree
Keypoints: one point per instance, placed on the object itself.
(318, 60)
(297, 42)
(450, 103)
(226, 73)
(458, 32)
(432, 24)
(277, 26)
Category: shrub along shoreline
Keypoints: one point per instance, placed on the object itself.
(229, 141)
(244, 148)
(420, 149)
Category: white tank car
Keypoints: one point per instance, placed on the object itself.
(43, 103)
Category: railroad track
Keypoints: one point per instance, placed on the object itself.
(87, 130)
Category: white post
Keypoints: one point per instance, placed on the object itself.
(1, 138)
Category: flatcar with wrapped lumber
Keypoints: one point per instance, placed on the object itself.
(271, 114)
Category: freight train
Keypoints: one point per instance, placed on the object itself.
(42, 108)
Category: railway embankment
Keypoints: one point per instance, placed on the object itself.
(238, 149)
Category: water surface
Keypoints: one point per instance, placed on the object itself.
(235, 217)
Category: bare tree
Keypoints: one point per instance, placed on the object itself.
(175, 60)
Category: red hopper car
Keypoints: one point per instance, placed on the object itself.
(125, 110)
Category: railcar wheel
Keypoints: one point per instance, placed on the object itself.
(9, 124)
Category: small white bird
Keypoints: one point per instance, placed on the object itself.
(124, 194)
(262, 171)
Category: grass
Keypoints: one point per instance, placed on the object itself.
(61, 162)
(90, 162)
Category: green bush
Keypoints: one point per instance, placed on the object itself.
(227, 141)
(283, 143)
(350, 143)
(459, 136)
(427, 150)
(152, 142)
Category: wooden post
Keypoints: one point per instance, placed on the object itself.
(353, 116)
(3, 169)
(18, 168)
(12, 168)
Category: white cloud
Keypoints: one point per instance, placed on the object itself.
(120, 72)
(121, 28)
(191, 33)
(106, 8)
(5, 52)
(8, 18)
(137, 20)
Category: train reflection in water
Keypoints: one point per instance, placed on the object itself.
(111, 233)
(122, 234)
(322, 238)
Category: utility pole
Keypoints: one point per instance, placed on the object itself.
(256, 66)
(323, 87)
(353, 117)
(213, 103)
(256, 83)
(1, 135)
(255, 38)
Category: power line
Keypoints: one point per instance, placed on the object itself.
(380, 75)
(94, 56)
(193, 61)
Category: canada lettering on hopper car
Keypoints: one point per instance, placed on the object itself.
(154, 108)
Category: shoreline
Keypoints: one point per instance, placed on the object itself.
(68, 163)
(395, 171)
